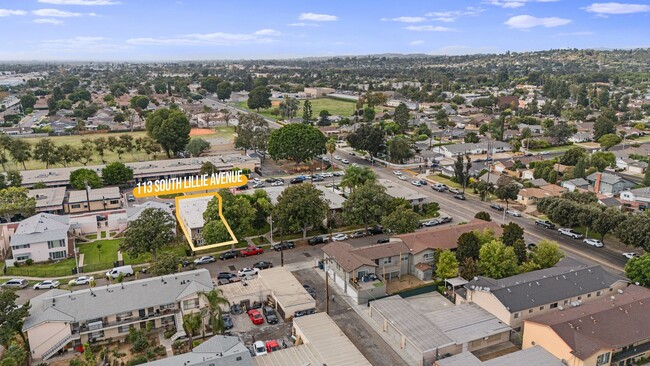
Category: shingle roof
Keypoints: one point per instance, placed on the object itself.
(606, 178)
(445, 237)
(609, 322)
(217, 351)
(382, 251)
(40, 228)
(345, 257)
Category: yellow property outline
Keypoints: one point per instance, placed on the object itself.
(186, 231)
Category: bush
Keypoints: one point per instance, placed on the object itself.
(160, 351)
(29, 261)
(169, 333)
(482, 215)
(139, 360)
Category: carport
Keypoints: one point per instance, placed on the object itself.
(289, 294)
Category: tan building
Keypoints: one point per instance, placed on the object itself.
(61, 319)
(518, 298)
(190, 211)
(100, 199)
(48, 200)
(318, 92)
(613, 330)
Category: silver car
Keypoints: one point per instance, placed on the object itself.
(15, 283)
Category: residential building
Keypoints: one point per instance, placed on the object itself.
(530, 196)
(484, 147)
(579, 137)
(612, 330)
(88, 200)
(219, 350)
(631, 166)
(396, 190)
(190, 211)
(42, 237)
(575, 184)
(508, 102)
(639, 196)
(533, 356)
(48, 200)
(517, 298)
(608, 184)
(60, 319)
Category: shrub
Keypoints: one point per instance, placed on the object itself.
(29, 261)
(139, 360)
(482, 215)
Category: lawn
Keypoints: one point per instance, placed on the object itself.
(95, 259)
(335, 107)
(440, 179)
(554, 148)
(45, 270)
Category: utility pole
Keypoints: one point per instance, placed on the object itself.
(327, 292)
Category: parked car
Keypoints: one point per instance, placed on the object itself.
(236, 309)
(310, 290)
(630, 255)
(296, 180)
(15, 283)
(439, 187)
(545, 223)
(340, 237)
(397, 172)
(454, 191)
(423, 182)
(300, 313)
(338, 173)
(263, 265)
(336, 157)
(345, 161)
(376, 230)
(416, 183)
(242, 188)
(401, 177)
(570, 233)
(317, 178)
(229, 254)
(270, 180)
(251, 250)
(445, 219)
(497, 207)
(272, 346)
(226, 275)
(531, 246)
(245, 272)
(130, 197)
(82, 280)
(594, 242)
(430, 223)
(383, 241)
(255, 317)
(204, 260)
(318, 240)
(227, 321)
(258, 185)
(277, 183)
(284, 245)
(270, 315)
(459, 196)
(259, 348)
(358, 234)
(513, 213)
(47, 284)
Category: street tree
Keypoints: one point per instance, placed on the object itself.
(602, 159)
(482, 215)
(399, 149)
(546, 254)
(117, 174)
(468, 246)
(324, 118)
(356, 176)
(300, 207)
(497, 260)
(511, 233)
(20, 151)
(572, 155)
(401, 117)
(149, 233)
(101, 145)
(14, 201)
(483, 189)
(46, 152)
(253, 132)
(297, 142)
(461, 170)
(607, 221)
(609, 140)
(261, 202)
(603, 126)
(635, 231)
(366, 204)
(11, 317)
(27, 101)
(520, 251)
(579, 169)
(197, 146)
(259, 97)
(167, 263)
(447, 265)
(307, 112)
(367, 138)
(401, 220)
(507, 190)
(170, 128)
(638, 270)
(83, 177)
(215, 231)
(5, 145)
(224, 89)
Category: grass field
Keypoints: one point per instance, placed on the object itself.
(108, 254)
(336, 107)
(109, 156)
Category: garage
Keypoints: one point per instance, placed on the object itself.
(289, 294)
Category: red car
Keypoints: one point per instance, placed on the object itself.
(272, 346)
(251, 251)
(255, 316)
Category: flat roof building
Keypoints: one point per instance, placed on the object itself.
(49, 200)
(534, 356)
(190, 211)
(396, 190)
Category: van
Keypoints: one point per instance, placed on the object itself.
(124, 270)
(15, 283)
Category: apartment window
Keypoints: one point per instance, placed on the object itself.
(530, 311)
(58, 255)
(191, 304)
(115, 202)
(516, 315)
(566, 302)
(76, 206)
(23, 257)
(24, 246)
(55, 244)
(599, 293)
(405, 257)
(603, 359)
(388, 260)
(554, 305)
(124, 315)
(541, 308)
(167, 306)
(579, 297)
(427, 256)
(588, 295)
(123, 329)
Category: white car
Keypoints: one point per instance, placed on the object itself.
(326, 159)
(47, 284)
(630, 255)
(397, 172)
(326, 175)
(245, 272)
(345, 161)
(340, 237)
(277, 183)
(336, 157)
(259, 348)
(514, 213)
(416, 183)
(258, 185)
(401, 177)
(570, 233)
(82, 280)
(593, 242)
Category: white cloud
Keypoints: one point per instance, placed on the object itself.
(528, 21)
(80, 2)
(207, 39)
(617, 8)
(405, 19)
(452, 16)
(301, 24)
(575, 34)
(85, 43)
(430, 28)
(48, 21)
(515, 3)
(318, 17)
(268, 32)
(59, 13)
(416, 43)
(9, 12)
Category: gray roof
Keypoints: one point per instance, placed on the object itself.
(641, 192)
(461, 148)
(466, 322)
(607, 178)
(397, 190)
(97, 194)
(533, 356)
(545, 286)
(133, 213)
(217, 351)
(86, 304)
(41, 228)
(578, 182)
(48, 197)
(538, 182)
(191, 210)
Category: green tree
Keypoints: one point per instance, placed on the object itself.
(100, 146)
(512, 233)
(368, 114)
(12, 317)
(67, 154)
(468, 246)
(356, 176)
(215, 300)
(401, 117)
(573, 155)
(224, 89)
(482, 215)
(367, 138)
(546, 254)
(191, 324)
(507, 190)
(170, 128)
(46, 152)
(461, 171)
(20, 151)
(579, 169)
(603, 126)
(447, 265)
(366, 204)
(117, 173)
(399, 149)
(167, 263)
(210, 84)
(520, 251)
(469, 268)
(297, 142)
(259, 97)
(402, 220)
(261, 202)
(215, 232)
(635, 231)
(15, 355)
(602, 160)
(80, 178)
(300, 207)
(197, 146)
(253, 132)
(139, 101)
(497, 260)
(607, 221)
(638, 270)
(27, 101)
(14, 178)
(14, 201)
(306, 112)
(324, 118)
(646, 178)
(149, 233)
(483, 189)
(609, 140)
(236, 209)
(471, 137)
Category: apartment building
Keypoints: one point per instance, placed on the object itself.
(42, 237)
(100, 199)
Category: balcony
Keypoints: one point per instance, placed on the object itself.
(84, 328)
(631, 352)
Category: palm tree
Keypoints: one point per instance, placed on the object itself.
(191, 323)
(356, 176)
(215, 299)
(330, 146)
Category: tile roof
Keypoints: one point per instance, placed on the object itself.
(444, 237)
(40, 228)
(610, 322)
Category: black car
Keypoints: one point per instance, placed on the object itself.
(270, 180)
(296, 180)
(242, 188)
(185, 262)
(101, 218)
(382, 241)
(236, 309)
(497, 207)
(263, 265)
(531, 246)
(317, 178)
(545, 223)
(423, 182)
(270, 315)
(284, 245)
(317, 240)
(310, 290)
(459, 196)
(376, 230)
(229, 254)
(226, 275)
(227, 322)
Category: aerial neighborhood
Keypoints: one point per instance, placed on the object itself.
(463, 207)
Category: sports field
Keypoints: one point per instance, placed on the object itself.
(336, 107)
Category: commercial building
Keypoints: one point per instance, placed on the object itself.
(61, 319)
(317, 92)
(100, 199)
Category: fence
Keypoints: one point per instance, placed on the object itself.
(418, 291)
(49, 272)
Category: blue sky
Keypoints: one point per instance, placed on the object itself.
(151, 30)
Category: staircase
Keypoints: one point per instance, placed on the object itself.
(47, 354)
(180, 332)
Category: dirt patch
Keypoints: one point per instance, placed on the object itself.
(201, 131)
(403, 283)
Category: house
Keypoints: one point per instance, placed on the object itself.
(48, 200)
(42, 237)
(517, 298)
(533, 356)
(576, 183)
(219, 350)
(483, 147)
(396, 190)
(581, 137)
(88, 200)
(190, 211)
(608, 184)
(530, 196)
(639, 195)
(612, 330)
(632, 166)
(539, 182)
(60, 319)
(318, 92)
